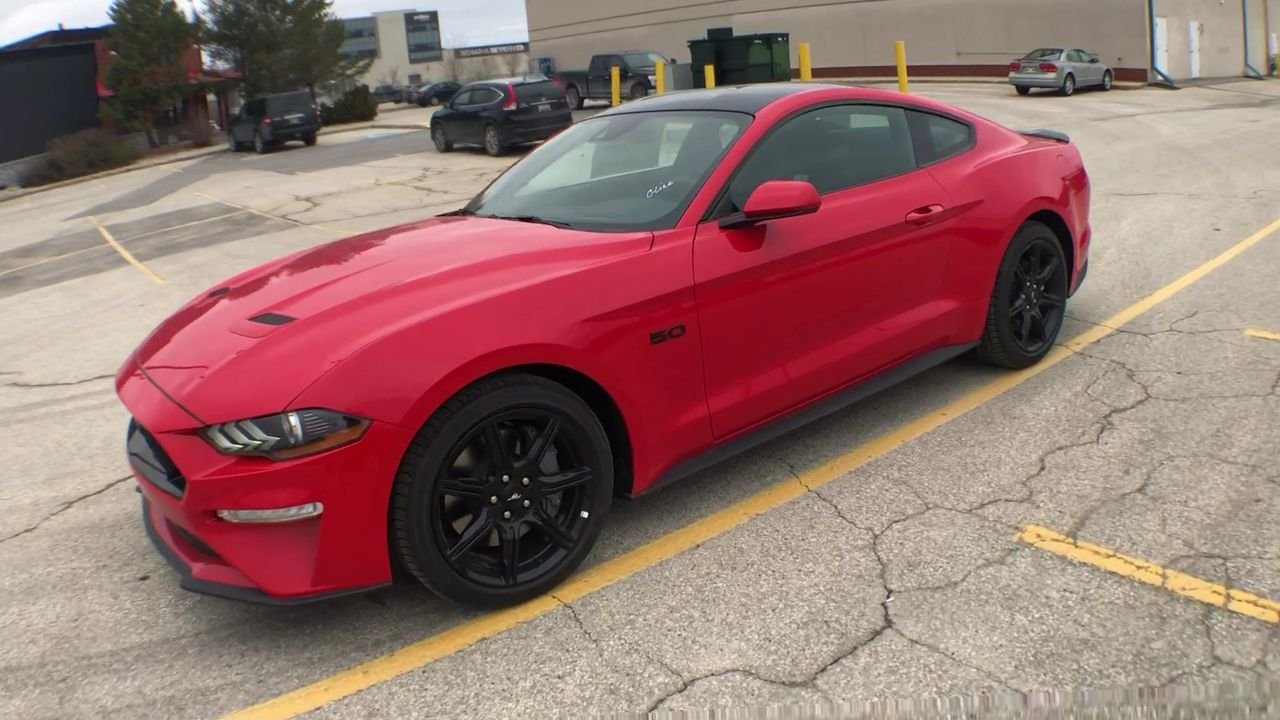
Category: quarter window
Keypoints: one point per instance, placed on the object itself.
(940, 137)
(833, 148)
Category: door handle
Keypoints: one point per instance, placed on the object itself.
(924, 215)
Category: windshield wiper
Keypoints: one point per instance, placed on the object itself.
(531, 219)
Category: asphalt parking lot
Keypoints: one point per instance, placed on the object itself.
(912, 546)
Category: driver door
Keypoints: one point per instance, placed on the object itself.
(795, 308)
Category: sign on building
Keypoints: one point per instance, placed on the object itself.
(422, 33)
(483, 50)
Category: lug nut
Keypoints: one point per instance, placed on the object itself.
(506, 478)
(493, 500)
(526, 503)
(506, 514)
(525, 482)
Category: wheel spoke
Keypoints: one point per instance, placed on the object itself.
(538, 449)
(1025, 330)
(1021, 275)
(1047, 271)
(549, 527)
(465, 487)
(478, 530)
(494, 448)
(566, 480)
(1051, 300)
(1018, 307)
(509, 542)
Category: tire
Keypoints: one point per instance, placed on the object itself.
(435, 101)
(574, 97)
(638, 91)
(1107, 80)
(1069, 85)
(259, 145)
(455, 513)
(309, 140)
(1022, 89)
(1033, 276)
(442, 143)
(493, 141)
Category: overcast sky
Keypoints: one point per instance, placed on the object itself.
(462, 22)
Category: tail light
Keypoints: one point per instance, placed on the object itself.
(1048, 67)
(266, 120)
(1015, 65)
(510, 102)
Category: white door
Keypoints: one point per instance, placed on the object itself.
(1194, 30)
(1162, 45)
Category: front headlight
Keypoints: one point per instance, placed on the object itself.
(286, 435)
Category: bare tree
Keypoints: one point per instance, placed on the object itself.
(453, 66)
(516, 64)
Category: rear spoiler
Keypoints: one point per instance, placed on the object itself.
(1047, 135)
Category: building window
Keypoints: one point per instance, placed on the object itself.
(361, 39)
(422, 35)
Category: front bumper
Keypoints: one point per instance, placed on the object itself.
(184, 482)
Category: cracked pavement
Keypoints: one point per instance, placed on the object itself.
(902, 579)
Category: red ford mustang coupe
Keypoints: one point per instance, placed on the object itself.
(657, 287)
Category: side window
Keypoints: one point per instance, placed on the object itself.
(1076, 56)
(464, 97)
(834, 148)
(938, 137)
(484, 96)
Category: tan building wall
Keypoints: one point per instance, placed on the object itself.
(1220, 25)
(855, 37)
(944, 37)
(392, 66)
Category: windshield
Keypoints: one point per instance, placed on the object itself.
(636, 171)
(646, 59)
(1043, 54)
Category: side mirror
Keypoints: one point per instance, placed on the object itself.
(1093, 58)
(776, 199)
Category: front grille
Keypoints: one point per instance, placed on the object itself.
(150, 460)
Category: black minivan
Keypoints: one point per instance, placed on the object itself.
(270, 120)
(498, 114)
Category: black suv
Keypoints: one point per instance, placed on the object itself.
(498, 114)
(274, 119)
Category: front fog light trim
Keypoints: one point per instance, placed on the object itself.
(273, 515)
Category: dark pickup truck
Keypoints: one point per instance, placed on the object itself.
(636, 69)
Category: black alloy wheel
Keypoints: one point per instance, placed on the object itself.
(503, 493)
(1028, 303)
(440, 140)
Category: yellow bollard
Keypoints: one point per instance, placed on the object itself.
(615, 77)
(660, 68)
(709, 72)
(806, 62)
(900, 51)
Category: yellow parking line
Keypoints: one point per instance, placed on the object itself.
(1188, 586)
(1262, 334)
(128, 256)
(598, 577)
(255, 211)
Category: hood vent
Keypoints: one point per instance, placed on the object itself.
(271, 319)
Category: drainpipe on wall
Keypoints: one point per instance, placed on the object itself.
(1250, 70)
(1151, 20)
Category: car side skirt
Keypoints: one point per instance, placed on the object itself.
(808, 414)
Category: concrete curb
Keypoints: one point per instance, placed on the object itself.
(6, 195)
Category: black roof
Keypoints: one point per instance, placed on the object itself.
(55, 38)
(734, 98)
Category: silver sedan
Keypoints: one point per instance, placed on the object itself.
(1062, 69)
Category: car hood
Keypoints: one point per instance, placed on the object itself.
(253, 343)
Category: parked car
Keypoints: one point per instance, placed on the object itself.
(436, 93)
(637, 70)
(1062, 69)
(270, 120)
(498, 114)
(388, 93)
(662, 285)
